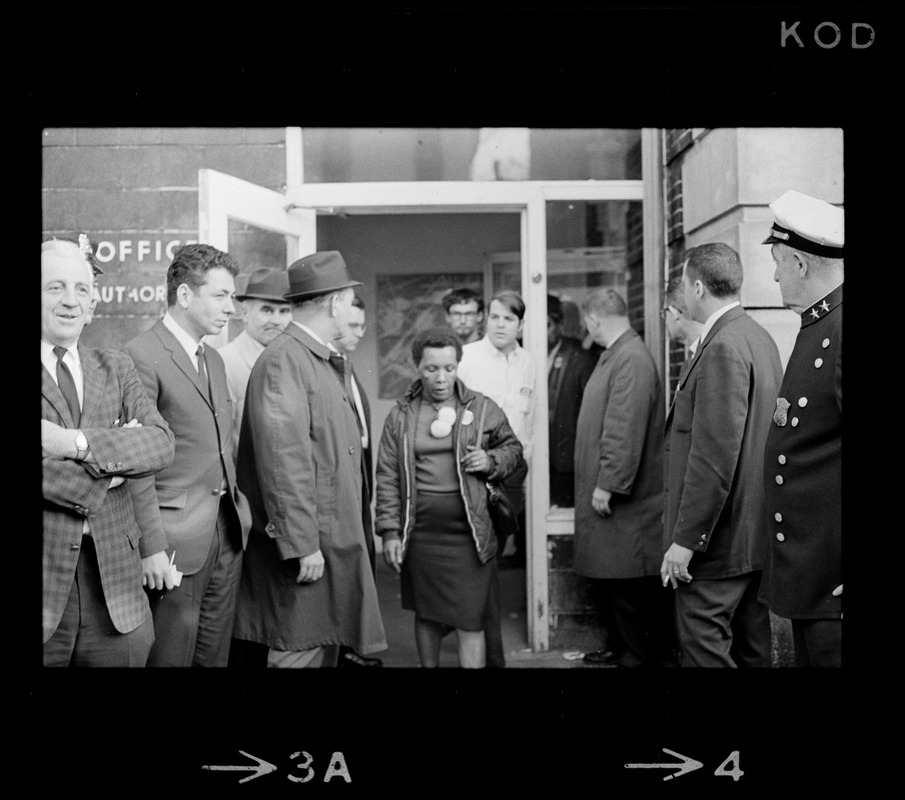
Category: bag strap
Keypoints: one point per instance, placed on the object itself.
(481, 423)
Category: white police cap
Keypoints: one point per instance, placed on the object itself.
(807, 224)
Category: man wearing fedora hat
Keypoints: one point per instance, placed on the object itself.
(803, 453)
(307, 587)
(265, 312)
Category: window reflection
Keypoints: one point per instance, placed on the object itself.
(341, 155)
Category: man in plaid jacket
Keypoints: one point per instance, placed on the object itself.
(98, 428)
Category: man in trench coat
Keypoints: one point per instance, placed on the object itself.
(619, 486)
(307, 586)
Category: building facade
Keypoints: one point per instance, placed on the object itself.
(416, 212)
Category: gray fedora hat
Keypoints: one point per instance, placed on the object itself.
(266, 284)
(317, 274)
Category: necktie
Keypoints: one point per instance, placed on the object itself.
(202, 372)
(67, 386)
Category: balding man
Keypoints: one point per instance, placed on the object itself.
(98, 427)
(619, 487)
(803, 455)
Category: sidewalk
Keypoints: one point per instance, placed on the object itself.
(400, 627)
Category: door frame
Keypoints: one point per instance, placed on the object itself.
(294, 214)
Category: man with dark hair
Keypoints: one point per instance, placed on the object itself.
(195, 503)
(307, 587)
(569, 366)
(464, 313)
(715, 433)
(619, 487)
(98, 428)
(803, 456)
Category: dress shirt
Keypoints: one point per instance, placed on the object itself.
(508, 380)
(71, 360)
(711, 320)
(551, 356)
(183, 337)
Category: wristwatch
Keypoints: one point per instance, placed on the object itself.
(81, 444)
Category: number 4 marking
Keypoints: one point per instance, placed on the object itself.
(735, 773)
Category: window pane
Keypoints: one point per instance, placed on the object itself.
(340, 155)
(591, 245)
(253, 248)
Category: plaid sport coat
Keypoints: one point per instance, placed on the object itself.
(74, 491)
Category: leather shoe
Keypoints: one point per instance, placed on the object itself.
(601, 657)
(349, 658)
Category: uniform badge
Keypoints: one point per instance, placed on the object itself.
(780, 416)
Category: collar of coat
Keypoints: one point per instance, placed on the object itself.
(822, 307)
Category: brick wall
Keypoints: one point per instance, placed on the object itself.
(134, 192)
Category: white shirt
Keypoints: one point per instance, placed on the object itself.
(508, 380)
(183, 337)
(239, 357)
(71, 360)
(711, 320)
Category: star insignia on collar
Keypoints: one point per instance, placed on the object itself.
(815, 313)
(825, 306)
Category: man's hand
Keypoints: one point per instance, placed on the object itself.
(57, 442)
(675, 565)
(155, 571)
(311, 567)
(392, 553)
(600, 502)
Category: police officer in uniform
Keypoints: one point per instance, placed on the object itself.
(803, 455)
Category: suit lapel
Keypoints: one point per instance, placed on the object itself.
(687, 368)
(94, 381)
(54, 396)
(181, 359)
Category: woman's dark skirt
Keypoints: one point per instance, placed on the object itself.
(443, 580)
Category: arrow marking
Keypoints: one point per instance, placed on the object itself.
(687, 765)
(262, 769)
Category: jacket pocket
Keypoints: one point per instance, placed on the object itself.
(170, 498)
(683, 411)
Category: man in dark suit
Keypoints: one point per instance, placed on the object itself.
(346, 345)
(803, 457)
(98, 427)
(195, 502)
(569, 366)
(715, 434)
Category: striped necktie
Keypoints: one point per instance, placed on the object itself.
(67, 386)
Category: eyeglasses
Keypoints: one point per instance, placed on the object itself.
(463, 314)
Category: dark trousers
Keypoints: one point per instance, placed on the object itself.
(638, 617)
(194, 621)
(86, 636)
(721, 623)
(817, 642)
